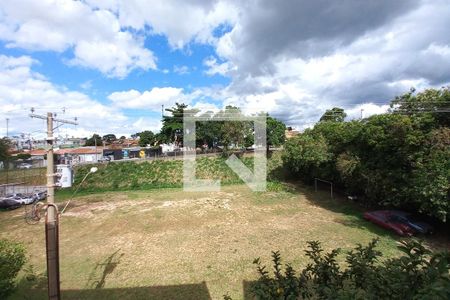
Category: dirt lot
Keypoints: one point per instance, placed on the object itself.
(167, 244)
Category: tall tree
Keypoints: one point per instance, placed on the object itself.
(146, 138)
(234, 132)
(208, 131)
(4, 148)
(94, 140)
(276, 132)
(432, 104)
(335, 114)
(109, 138)
(172, 127)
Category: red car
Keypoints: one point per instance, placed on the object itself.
(400, 222)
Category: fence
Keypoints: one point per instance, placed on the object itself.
(23, 181)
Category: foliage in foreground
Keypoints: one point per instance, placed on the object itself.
(12, 259)
(417, 274)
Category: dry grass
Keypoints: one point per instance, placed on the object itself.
(167, 244)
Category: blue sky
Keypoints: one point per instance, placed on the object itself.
(55, 68)
(114, 63)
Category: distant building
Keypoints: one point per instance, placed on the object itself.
(25, 142)
(74, 156)
(290, 133)
(72, 142)
(21, 142)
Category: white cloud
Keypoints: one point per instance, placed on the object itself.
(180, 20)
(285, 59)
(181, 70)
(204, 107)
(214, 67)
(116, 59)
(21, 89)
(94, 35)
(366, 110)
(151, 100)
(292, 58)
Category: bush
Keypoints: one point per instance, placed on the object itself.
(417, 274)
(12, 259)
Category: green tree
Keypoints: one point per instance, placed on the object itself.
(23, 156)
(399, 159)
(4, 149)
(335, 114)
(108, 138)
(94, 140)
(433, 196)
(12, 259)
(172, 127)
(208, 131)
(431, 103)
(234, 132)
(276, 132)
(304, 154)
(146, 138)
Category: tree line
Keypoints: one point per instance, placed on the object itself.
(398, 159)
(211, 130)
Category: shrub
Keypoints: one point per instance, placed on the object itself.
(417, 274)
(12, 259)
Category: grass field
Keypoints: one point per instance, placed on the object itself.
(168, 244)
(132, 175)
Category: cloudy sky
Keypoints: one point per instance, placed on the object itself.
(113, 63)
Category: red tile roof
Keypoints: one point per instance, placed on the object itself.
(37, 152)
(81, 150)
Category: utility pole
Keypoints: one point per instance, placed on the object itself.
(7, 162)
(52, 216)
(95, 141)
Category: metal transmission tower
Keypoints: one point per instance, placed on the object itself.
(52, 215)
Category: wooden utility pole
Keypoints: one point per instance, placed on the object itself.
(52, 217)
(51, 222)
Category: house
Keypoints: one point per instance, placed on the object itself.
(82, 155)
(38, 158)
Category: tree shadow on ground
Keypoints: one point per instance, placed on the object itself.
(106, 267)
(34, 286)
(352, 212)
(197, 291)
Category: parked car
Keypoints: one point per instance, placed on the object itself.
(15, 200)
(24, 200)
(6, 203)
(39, 196)
(24, 166)
(15, 195)
(398, 221)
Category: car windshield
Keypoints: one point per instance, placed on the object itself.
(396, 218)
